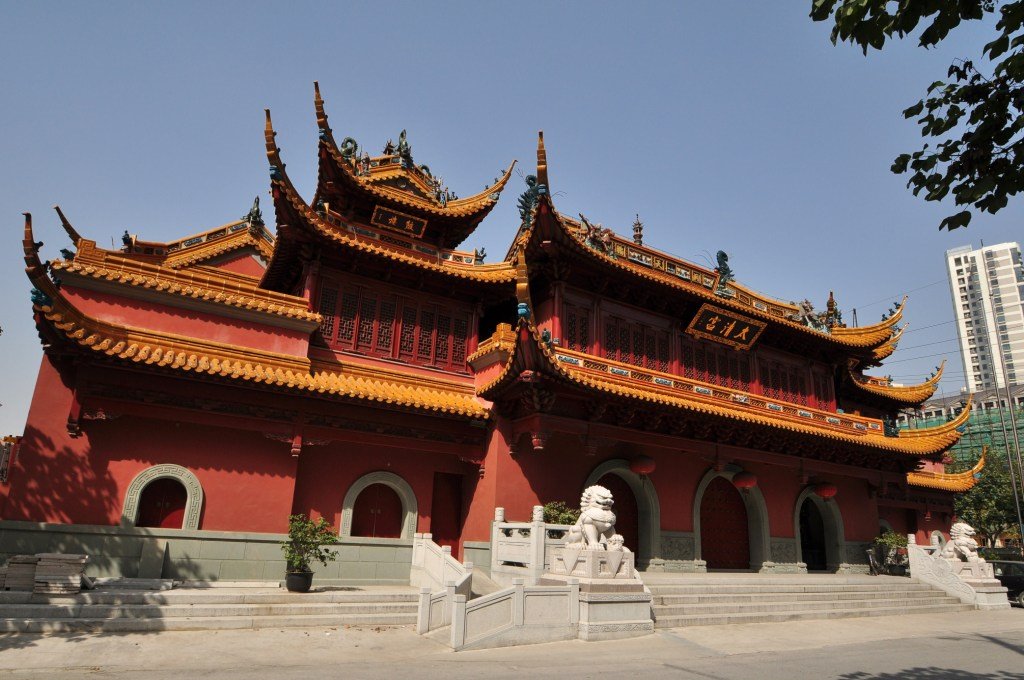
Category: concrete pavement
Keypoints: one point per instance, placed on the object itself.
(927, 646)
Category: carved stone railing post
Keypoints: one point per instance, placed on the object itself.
(458, 629)
(538, 534)
(518, 602)
(423, 613)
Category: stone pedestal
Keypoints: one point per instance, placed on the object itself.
(613, 602)
(594, 564)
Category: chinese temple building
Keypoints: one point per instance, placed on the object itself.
(355, 364)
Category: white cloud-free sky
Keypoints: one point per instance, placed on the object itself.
(730, 125)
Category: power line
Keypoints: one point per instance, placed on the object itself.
(924, 356)
(898, 295)
(914, 330)
(937, 342)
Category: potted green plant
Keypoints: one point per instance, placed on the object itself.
(307, 541)
(891, 549)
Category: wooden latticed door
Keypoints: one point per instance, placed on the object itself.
(724, 537)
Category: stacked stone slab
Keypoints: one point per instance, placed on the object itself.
(59, 574)
(21, 573)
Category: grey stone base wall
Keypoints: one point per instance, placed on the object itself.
(203, 555)
(677, 566)
(479, 553)
(783, 568)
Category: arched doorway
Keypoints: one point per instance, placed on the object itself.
(627, 517)
(731, 522)
(130, 515)
(818, 527)
(162, 504)
(377, 513)
(723, 527)
(642, 497)
(408, 512)
(812, 537)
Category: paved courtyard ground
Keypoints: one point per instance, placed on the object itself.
(925, 646)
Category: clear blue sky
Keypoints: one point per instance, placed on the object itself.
(729, 125)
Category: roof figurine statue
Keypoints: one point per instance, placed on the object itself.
(596, 236)
(254, 217)
(724, 274)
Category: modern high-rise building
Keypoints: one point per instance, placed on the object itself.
(986, 285)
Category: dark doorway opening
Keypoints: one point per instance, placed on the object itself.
(812, 537)
(627, 515)
(162, 504)
(377, 513)
(724, 530)
(446, 511)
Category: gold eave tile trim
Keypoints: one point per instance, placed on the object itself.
(958, 482)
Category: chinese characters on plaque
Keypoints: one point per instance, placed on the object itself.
(726, 327)
(406, 224)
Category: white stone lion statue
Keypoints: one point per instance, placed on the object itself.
(595, 529)
(961, 544)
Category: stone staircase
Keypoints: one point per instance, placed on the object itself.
(221, 608)
(726, 598)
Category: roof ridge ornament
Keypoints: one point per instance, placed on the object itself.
(542, 162)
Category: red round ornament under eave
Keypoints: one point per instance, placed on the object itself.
(641, 465)
(744, 481)
(826, 490)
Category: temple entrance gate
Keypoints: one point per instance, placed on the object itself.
(737, 522)
(818, 528)
(723, 527)
(647, 541)
(812, 537)
(627, 522)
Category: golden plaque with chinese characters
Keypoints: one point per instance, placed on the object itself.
(392, 219)
(729, 328)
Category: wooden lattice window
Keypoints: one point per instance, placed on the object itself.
(379, 323)
(327, 309)
(460, 340)
(367, 319)
(386, 329)
(407, 336)
(347, 318)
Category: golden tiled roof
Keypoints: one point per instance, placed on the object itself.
(382, 169)
(199, 356)
(501, 272)
(207, 285)
(958, 482)
(885, 350)
(905, 395)
(865, 337)
(667, 390)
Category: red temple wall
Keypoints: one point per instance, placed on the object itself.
(326, 473)
(144, 314)
(240, 262)
(247, 479)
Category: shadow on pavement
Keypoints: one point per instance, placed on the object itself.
(932, 673)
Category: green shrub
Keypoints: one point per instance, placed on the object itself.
(891, 539)
(306, 541)
(557, 512)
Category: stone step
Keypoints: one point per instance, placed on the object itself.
(124, 625)
(206, 597)
(110, 611)
(706, 589)
(774, 617)
(666, 578)
(789, 597)
(818, 606)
